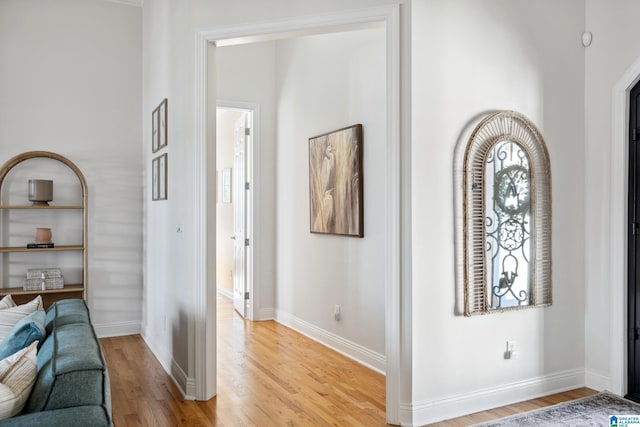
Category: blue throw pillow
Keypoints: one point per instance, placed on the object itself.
(28, 329)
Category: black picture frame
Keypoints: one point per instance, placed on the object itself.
(336, 182)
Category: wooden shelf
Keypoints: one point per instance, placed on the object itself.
(21, 291)
(56, 249)
(41, 207)
(49, 296)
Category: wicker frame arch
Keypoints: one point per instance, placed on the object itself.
(494, 129)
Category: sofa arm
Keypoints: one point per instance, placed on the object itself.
(76, 416)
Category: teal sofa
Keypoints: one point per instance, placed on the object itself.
(72, 387)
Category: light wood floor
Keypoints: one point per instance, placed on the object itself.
(505, 411)
(268, 375)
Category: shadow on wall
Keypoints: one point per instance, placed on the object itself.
(180, 351)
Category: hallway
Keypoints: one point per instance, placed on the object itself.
(268, 375)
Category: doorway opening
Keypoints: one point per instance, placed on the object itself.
(207, 43)
(234, 218)
(618, 235)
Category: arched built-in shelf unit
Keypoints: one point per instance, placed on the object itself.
(75, 290)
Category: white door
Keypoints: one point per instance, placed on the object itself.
(239, 200)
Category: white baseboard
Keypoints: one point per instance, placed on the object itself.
(354, 351)
(185, 384)
(225, 293)
(116, 329)
(266, 314)
(439, 409)
(597, 381)
(188, 385)
(163, 358)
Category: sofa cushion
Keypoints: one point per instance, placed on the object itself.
(7, 302)
(10, 316)
(66, 312)
(17, 375)
(78, 416)
(71, 370)
(28, 329)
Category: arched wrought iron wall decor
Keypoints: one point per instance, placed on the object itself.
(507, 216)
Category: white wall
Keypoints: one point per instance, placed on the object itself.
(470, 57)
(327, 82)
(614, 49)
(72, 85)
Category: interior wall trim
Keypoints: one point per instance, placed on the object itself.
(117, 329)
(266, 314)
(433, 410)
(597, 381)
(350, 349)
(184, 383)
(172, 368)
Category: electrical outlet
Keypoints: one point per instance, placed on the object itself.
(336, 312)
(511, 352)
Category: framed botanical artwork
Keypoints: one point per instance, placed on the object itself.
(155, 175)
(336, 183)
(159, 120)
(163, 119)
(159, 177)
(155, 132)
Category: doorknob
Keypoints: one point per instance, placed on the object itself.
(233, 237)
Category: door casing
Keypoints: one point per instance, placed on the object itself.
(633, 246)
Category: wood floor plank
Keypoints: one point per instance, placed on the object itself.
(268, 375)
(516, 408)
